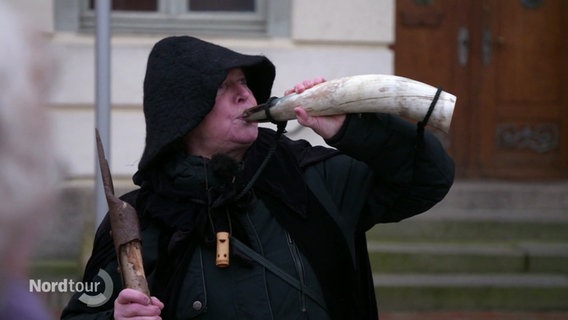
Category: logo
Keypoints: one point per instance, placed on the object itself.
(91, 291)
(100, 298)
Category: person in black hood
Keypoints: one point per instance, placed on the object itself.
(295, 214)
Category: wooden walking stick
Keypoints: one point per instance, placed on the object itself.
(125, 231)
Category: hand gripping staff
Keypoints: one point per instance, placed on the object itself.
(125, 231)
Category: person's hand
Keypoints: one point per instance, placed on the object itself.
(325, 126)
(133, 304)
(302, 86)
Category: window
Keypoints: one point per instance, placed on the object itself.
(218, 5)
(130, 5)
(198, 17)
(193, 5)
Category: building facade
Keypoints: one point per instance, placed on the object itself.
(304, 39)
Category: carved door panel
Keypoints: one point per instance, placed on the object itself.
(507, 61)
(523, 93)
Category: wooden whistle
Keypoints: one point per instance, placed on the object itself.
(222, 260)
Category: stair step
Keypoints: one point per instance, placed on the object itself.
(471, 280)
(472, 291)
(468, 257)
(475, 315)
(437, 229)
(507, 195)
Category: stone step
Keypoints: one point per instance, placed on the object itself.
(471, 291)
(476, 225)
(490, 194)
(522, 257)
(475, 315)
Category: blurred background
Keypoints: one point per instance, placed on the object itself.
(498, 242)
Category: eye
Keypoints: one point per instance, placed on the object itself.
(222, 88)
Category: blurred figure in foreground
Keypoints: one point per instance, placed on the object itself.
(27, 167)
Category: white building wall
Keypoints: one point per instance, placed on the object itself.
(329, 38)
(343, 21)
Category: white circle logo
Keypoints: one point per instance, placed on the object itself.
(100, 298)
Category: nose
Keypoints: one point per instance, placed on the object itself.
(243, 94)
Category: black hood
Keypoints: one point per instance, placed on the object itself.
(182, 77)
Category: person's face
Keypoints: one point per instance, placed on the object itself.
(223, 130)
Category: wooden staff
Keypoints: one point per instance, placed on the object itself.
(125, 231)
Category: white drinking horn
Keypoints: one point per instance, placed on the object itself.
(372, 93)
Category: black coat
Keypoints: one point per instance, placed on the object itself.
(325, 199)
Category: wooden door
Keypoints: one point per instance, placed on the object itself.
(507, 61)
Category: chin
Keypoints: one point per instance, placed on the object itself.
(250, 138)
(246, 135)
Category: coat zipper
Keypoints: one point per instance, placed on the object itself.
(295, 253)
